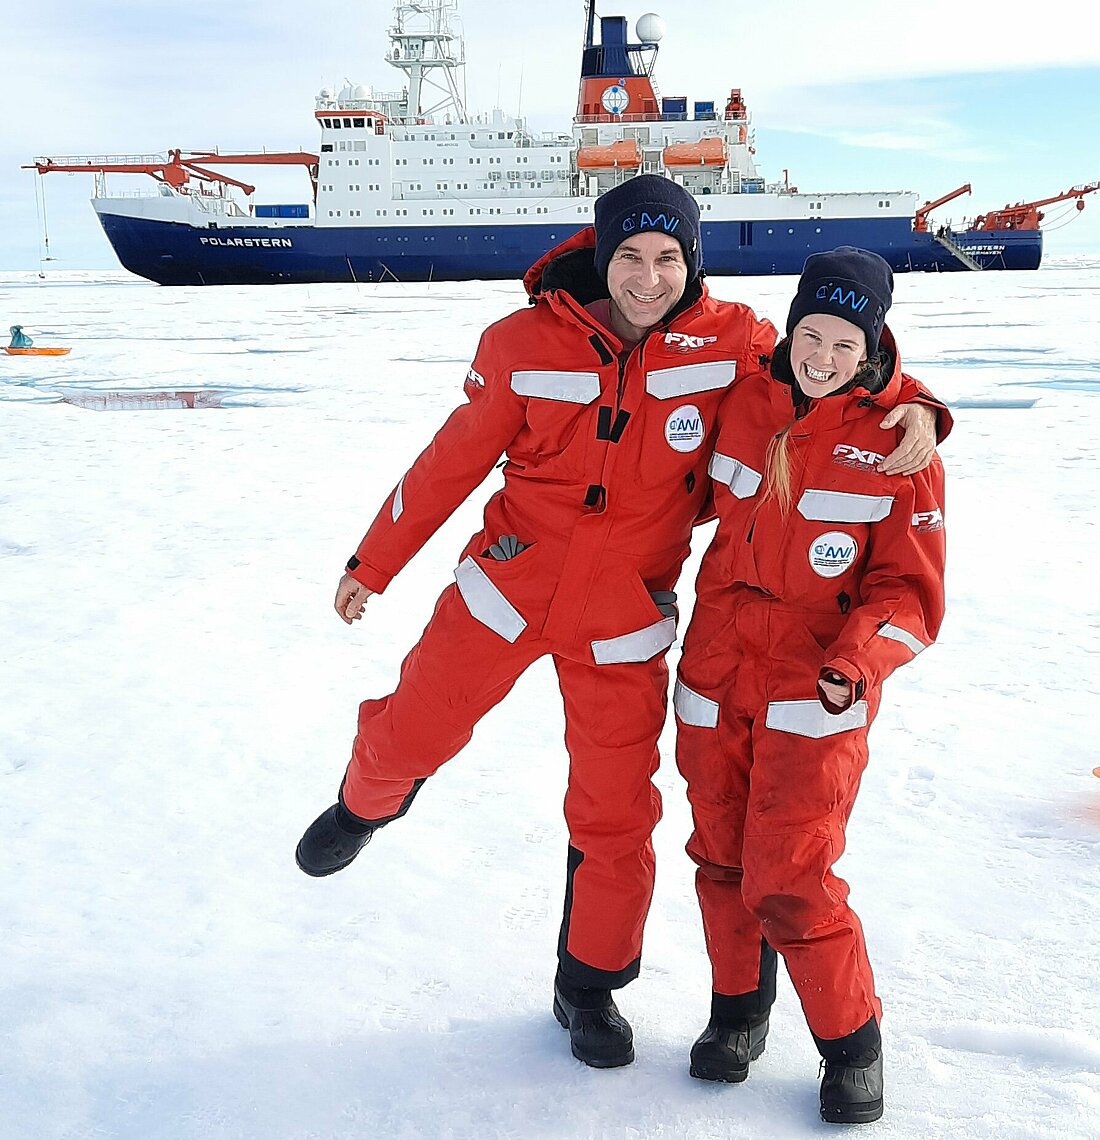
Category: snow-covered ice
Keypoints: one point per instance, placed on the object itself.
(177, 701)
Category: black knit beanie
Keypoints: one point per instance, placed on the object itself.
(647, 202)
(846, 282)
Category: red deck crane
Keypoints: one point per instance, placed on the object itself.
(1027, 215)
(179, 169)
(920, 225)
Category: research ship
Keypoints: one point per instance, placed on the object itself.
(409, 186)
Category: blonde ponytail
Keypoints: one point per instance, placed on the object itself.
(777, 469)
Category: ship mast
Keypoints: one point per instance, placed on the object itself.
(430, 55)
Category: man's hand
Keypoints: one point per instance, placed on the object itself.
(351, 597)
(917, 446)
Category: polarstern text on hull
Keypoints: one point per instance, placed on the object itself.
(408, 185)
(248, 242)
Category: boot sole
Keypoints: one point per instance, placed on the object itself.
(314, 874)
(626, 1058)
(854, 1114)
(726, 1076)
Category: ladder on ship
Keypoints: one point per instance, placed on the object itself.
(957, 251)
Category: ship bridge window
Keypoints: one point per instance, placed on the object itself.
(358, 122)
(347, 123)
(336, 124)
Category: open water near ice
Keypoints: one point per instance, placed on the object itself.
(969, 335)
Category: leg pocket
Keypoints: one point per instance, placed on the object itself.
(809, 718)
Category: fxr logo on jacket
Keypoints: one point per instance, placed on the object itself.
(928, 520)
(685, 342)
(847, 455)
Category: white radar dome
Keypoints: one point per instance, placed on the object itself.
(359, 92)
(650, 28)
(326, 92)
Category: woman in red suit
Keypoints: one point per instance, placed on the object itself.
(823, 577)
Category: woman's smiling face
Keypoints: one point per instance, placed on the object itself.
(826, 352)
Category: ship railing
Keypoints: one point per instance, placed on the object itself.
(101, 160)
(656, 117)
(130, 194)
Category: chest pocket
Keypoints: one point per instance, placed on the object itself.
(680, 412)
(559, 418)
(842, 528)
(843, 506)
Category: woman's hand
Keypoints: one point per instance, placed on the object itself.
(836, 692)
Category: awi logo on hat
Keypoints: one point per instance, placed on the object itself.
(845, 298)
(670, 223)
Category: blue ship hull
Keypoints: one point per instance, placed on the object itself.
(171, 253)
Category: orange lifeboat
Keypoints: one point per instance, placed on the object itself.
(625, 154)
(705, 152)
(37, 351)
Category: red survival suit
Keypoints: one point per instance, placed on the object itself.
(851, 580)
(607, 453)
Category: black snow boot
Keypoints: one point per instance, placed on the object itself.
(724, 1050)
(851, 1089)
(332, 841)
(598, 1034)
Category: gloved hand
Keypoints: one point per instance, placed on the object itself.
(505, 547)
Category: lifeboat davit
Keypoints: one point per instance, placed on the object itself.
(705, 152)
(625, 154)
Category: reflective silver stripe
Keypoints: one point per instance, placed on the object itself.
(485, 602)
(743, 481)
(896, 633)
(691, 708)
(398, 508)
(568, 387)
(809, 718)
(640, 645)
(687, 378)
(838, 506)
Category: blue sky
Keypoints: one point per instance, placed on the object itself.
(860, 95)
